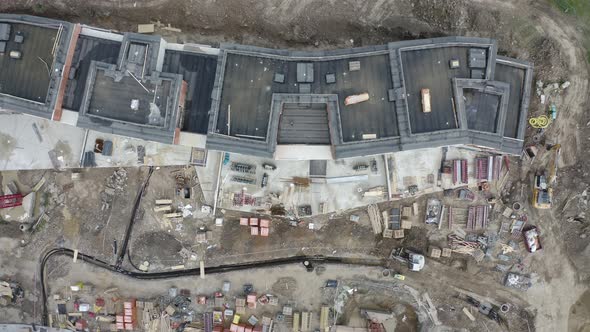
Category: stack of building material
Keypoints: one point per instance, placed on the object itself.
(251, 300)
(296, 322)
(208, 320)
(434, 252)
(130, 315)
(488, 168)
(240, 306)
(460, 245)
(375, 218)
(446, 252)
(264, 227)
(450, 217)
(324, 319)
(253, 226)
(257, 226)
(460, 171)
(306, 321)
(477, 217)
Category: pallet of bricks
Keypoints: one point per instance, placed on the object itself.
(460, 171)
(488, 168)
(257, 226)
(128, 319)
(477, 217)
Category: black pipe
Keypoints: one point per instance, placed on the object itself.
(123, 250)
(193, 272)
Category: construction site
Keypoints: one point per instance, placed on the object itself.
(294, 166)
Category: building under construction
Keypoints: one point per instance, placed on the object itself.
(268, 103)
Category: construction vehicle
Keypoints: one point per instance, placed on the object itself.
(531, 239)
(542, 193)
(414, 260)
(426, 100)
(544, 181)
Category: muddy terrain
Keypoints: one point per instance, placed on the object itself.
(532, 30)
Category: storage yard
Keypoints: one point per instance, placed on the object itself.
(456, 203)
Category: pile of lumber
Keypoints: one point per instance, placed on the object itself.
(375, 218)
(461, 246)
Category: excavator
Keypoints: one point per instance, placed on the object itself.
(544, 181)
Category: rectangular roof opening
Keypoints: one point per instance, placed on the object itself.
(304, 124)
(482, 110)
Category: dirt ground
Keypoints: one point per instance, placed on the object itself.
(531, 30)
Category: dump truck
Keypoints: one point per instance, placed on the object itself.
(355, 99)
(414, 260)
(425, 100)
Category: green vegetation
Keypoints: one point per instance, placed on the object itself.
(38, 8)
(580, 9)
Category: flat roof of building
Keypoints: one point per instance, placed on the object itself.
(392, 119)
(126, 99)
(429, 68)
(28, 77)
(87, 49)
(198, 70)
(236, 94)
(249, 84)
(516, 77)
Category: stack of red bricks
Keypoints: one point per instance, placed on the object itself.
(127, 321)
(251, 300)
(245, 328)
(257, 226)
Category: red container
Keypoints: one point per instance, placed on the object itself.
(253, 221)
(264, 223)
(129, 304)
(243, 221)
(81, 324)
(264, 231)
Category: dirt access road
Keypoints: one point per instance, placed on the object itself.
(531, 30)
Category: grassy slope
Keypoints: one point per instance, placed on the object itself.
(581, 10)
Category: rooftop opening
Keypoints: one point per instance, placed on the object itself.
(482, 110)
(304, 124)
